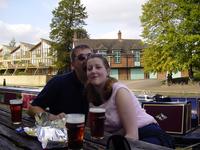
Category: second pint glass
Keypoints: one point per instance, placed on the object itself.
(75, 124)
(16, 110)
(96, 122)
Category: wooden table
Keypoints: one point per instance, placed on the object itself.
(11, 140)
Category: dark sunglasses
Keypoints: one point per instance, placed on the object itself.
(82, 57)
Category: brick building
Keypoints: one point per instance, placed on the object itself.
(124, 55)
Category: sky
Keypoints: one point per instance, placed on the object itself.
(29, 20)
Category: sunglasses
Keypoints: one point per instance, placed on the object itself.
(82, 57)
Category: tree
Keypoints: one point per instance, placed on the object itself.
(189, 30)
(172, 33)
(68, 19)
(12, 43)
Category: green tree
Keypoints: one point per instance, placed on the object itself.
(171, 30)
(189, 30)
(68, 19)
(12, 43)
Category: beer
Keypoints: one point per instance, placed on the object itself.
(16, 111)
(75, 124)
(96, 122)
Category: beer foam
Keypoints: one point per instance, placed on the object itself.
(75, 118)
(16, 101)
(97, 110)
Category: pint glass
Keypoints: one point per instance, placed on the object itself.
(75, 130)
(16, 111)
(96, 122)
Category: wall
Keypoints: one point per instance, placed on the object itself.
(25, 80)
(125, 61)
(184, 73)
(161, 76)
(123, 74)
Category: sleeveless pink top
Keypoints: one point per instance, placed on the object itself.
(112, 122)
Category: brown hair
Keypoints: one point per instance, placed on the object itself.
(91, 94)
(82, 46)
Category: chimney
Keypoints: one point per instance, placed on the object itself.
(119, 35)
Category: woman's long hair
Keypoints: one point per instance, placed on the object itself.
(91, 94)
(94, 97)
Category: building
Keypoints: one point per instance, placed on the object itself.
(124, 55)
(27, 59)
(5, 58)
(41, 59)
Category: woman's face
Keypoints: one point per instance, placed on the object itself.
(96, 72)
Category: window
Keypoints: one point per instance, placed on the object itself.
(136, 57)
(38, 52)
(102, 52)
(117, 56)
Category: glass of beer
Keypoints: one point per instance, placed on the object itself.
(75, 124)
(96, 122)
(16, 110)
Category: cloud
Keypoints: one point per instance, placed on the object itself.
(127, 33)
(105, 19)
(112, 10)
(24, 32)
(108, 17)
(49, 5)
(3, 4)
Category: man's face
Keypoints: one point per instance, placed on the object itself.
(79, 63)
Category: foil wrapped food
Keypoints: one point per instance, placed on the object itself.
(51, 134)
(30, 131)
(51, 137)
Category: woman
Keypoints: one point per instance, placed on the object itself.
(123, 110)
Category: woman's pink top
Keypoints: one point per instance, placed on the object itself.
(112, 122)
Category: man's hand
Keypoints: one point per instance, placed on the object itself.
(55, 117)
(34, 109)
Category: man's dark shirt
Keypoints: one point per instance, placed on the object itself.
(63, 93)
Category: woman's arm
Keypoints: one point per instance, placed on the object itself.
(127, 114)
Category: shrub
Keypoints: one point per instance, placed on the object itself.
(197, 75)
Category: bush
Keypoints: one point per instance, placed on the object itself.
(197, 76)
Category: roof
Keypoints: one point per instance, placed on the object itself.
(45, 40)
(28, 45)
(8, 47)
(111, 44)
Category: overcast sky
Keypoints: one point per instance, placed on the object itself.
(29, 20)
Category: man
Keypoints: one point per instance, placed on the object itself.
(63, 94)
